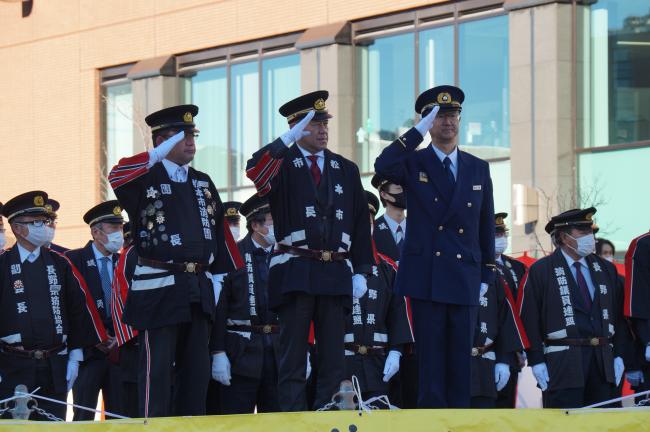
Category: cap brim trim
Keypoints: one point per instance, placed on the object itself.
(31, 211)
(181, 125)
(112, 218)
(257, 210)
(320, 114)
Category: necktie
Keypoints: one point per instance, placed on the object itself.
(106, 284)
(399, 236)
(315, 170)
(180, 175)
(582, 285)
(450, 175)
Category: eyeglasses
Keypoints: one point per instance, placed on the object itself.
(36, 223)
(188, 133)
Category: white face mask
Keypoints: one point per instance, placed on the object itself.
(500, 245)
(586, 244)
(37, 235)
(270, 237)
(50, 234)
(3, 240)
(234, 230)
(115, 241)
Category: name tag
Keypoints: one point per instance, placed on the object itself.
(424, 178)
(476, 187)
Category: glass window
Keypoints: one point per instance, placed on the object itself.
(502, 189)
(245, 116)
(605, 180)
(483, 76)
(436, 57)
(210, 94)
(385, 94)
(616, 82)
(280, 83)
(118, 100)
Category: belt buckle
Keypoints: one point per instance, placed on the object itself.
(190, 267)
(363, 350)
(594, 341)
(326, 256)
(39, 354)
(475, 352)
(267, 329)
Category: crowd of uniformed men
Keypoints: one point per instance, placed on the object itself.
(168, 314)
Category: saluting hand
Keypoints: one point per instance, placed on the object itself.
(426, 123)
(298, 130)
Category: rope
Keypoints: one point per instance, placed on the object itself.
(607, 402)
(32, 394)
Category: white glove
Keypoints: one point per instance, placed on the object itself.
(540, 371)
(635, 378)
(221, 368)
(359, 286)
(391, 367)
(308, 374)
(217, 284)
(72, 372)
(157, 154)
(619, 368)
(501, 375)
(647, 353)
(426, 123)
(298, 130)
(484, 288)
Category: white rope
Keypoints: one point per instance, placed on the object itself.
(20, 394)
(607, 402)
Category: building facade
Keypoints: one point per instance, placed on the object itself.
(557, 93)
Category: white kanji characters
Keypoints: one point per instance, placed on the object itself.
(166, 189)
(559, 271)
(596, 267)
(566, 300)
(564, 290)
(603, 289)
(339, 214)
(483, 327)
(100, 304)
(19, 288)
(175, 240)
(383, 226)
(298, 162)
(338, 189)
(370, 319)
(562, 280)
(372, 294)
(356, 309)
(15, 269)
(375, 271)
(568, 311)
(91, 263)
(334, 164)
(310, 211)
(356, 320)
(605, 314)
(483, 301)
(569, 321)
(207, 233)
(22, 307)
(151, 192)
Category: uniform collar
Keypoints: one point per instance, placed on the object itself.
(306, 154)
(453, 156)
(99, 255)
(570, 261)
(257, 245)
(392, 224)
(24, 253)
(172, 168)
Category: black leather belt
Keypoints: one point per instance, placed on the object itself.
(36, 354)
(593, 341)
(186, 267)
(320, 255)
(364, 349)
(479, 351)
(259, 329)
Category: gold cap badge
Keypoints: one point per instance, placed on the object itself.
(187, 117)
(319, 104)
(48, 208)
(589, 216)
(39, 201)
(117, 210)
(499, 221)
(231, 212)
(444, 98)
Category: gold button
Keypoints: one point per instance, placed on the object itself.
(458, 256)
(440, 228)
(460, 231)
(469, 204)
(437, 253)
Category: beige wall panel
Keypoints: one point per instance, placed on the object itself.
(118, 44)
(342, 10)
(97, 13)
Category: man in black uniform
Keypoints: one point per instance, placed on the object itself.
(45, 318)
(96, 262)
(511, 273)
(3, 237)
(245, 340)
(390, 228)
(181, 240)
(573, 318)
(231, 213)
(322, 224)
(378, 330)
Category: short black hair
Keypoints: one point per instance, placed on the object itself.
(260, 218)
(602, 242)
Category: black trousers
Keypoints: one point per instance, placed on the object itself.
(43, 374)
(596, 389)
(95, 374)
(507, 397)
(328, 314)
(245, 393)
(483, 402)
(409, 381)
(174, 368)
(129, 357)
(443, 336)
(213, 404)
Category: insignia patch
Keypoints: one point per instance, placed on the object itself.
(187, 117)
(319, 104)
(166, 189)
(91, 263)
(476, 187)
(117, 210)
(38, 201)
(424, 178)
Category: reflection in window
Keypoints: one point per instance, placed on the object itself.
(616, 84)
(280, 84)
(118, 101)
(385, 94)
(210, 94)
(244, 123)
(483, 76)
(605, 179)
(436, 58)
(502, 191)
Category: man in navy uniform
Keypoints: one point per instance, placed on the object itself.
(322, 225)
(45, 314)
(231, 213)
(448, 254)
(182, 240)
(572, 310)
(96, 262)
(390, 228)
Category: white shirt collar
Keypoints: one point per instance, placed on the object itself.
(500, 259)
(453, 156)
(99, 255)
(305, 153)
(24, 254)
(173, 170)
(570, 260)
(392, 223)
(256, 244)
